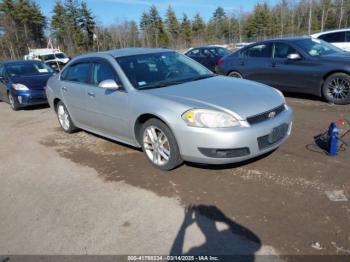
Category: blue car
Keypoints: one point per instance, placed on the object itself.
(22, 83)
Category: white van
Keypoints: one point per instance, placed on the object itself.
(339, 38)
(50, 56)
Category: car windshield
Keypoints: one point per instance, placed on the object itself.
(60, 55)
(28, 69)
(52, 56)
(317, 47)
(161, 69)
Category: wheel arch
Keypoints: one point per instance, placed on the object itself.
(335, 72)
(234, 70)
(328, 75)
(141, 119)
(55, 102)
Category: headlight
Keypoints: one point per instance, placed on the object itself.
(19, 87)
(209, 118)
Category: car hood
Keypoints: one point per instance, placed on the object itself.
(33, 82)
(241, 98)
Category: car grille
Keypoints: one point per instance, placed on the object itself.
(37, 99)
(266, 115)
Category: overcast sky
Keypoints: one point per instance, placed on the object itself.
(110, 11)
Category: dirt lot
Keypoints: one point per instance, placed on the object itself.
(80, 193)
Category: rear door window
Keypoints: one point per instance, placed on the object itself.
(338, 37)
(259, 51)
(207, 53)
(77, 73)
(282, 50)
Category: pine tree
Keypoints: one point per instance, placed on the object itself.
(198, 28)
(259, 23)
(23, 25)
(186, 30)
(88, 24)
(73, 26)
(157, 28)
(58, 24)
(145, 26)
(172, 26)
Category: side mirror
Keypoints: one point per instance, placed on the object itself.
(294, 56)
(109, 84)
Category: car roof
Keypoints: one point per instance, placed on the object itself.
(206, 46)
(122, 52)
(282, 39)
(330, 31)
(12, 62)
(288, 39)
(135, 51)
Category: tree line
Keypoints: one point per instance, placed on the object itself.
(74, 28)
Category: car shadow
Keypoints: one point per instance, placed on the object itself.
(34, 107)
(222, 235)
(232, 165)
(304, 96)
(112, 141)
(191, 164)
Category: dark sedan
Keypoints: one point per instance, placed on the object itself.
(303, 65)
(22, 83)
(207, 55)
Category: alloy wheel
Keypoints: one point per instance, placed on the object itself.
(156, 145)
(63, 117)
(339, 88)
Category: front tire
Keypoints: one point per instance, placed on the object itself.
(64, 118)
(235, 74)
(336, 89)
(13, 103)
(159, 145)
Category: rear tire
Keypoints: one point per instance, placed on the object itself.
(64, 118)
(159, 145)
(336, 89)
(235, 74)
(13, 103)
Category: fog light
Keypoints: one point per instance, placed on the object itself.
(19, 99)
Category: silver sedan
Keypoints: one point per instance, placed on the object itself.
(171, 106)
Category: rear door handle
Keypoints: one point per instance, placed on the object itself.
(64, 89)
(91, 94)
(241, 63)
(273, 64)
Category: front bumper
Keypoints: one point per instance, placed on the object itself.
(30, 97)
(238, 143)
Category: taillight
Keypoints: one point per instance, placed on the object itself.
(220, 62)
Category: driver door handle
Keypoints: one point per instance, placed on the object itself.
(64, 89)
(91, 94)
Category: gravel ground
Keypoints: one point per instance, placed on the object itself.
(83, 194)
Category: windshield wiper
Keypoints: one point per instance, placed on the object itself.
(177, 82)
(159, 85)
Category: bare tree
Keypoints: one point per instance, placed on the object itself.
(310, 17)
(341, 13)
